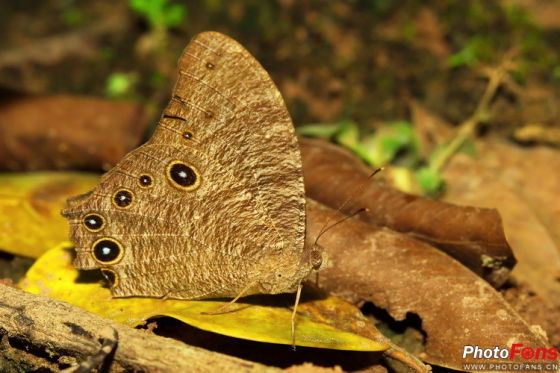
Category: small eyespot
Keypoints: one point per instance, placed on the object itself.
(123, 198)
(209, 114)
(94, 222)
(145, 181)
(210, 65)
(183, 176)
(187, 135)
(107, 251)
(110, 276)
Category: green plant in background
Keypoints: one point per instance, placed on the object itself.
(477, 49)
(394, 143)
(160, 13)
(430, 180)
(73, 17)
(119, 85)
(376, 149)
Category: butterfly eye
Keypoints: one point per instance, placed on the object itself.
(122, 198)
(183, 176)
(107, 251)
(94, 222)
(111, 276)
(145, 181)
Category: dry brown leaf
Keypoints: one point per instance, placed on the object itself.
(67, 132)
(523, 185)
(403, 275)
(474, 236)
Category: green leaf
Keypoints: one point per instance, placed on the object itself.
(465, 57)
(348, 134)
(159, 13)
(384, 145)
(430, 181)
(118, 84)
(175, 14)
(395, 137)
(376, 149)
(320, 130)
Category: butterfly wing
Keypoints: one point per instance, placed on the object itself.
(214, 201)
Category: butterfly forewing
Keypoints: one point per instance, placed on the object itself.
(214, 201)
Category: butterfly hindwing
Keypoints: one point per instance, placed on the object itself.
(214, 200)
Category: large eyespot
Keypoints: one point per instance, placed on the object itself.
(94, 222)
(183, 176)
(145, 181)
(111, 277)
(187, 135)
(123, 198)
(107, 251)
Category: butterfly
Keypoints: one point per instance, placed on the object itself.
(213, 204)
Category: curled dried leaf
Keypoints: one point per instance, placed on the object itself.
(472, 235)
(403, 275)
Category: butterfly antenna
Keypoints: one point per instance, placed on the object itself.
(358, 190)
(363, 209)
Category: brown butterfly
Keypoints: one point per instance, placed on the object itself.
(213, 204)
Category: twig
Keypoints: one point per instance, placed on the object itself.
(39, 332)
(468, 127)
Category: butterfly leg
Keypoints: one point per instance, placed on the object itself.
(224, 307)
(298, 296)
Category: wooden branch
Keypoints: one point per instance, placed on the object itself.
(40, 332)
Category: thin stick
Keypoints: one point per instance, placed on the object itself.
(468, 127)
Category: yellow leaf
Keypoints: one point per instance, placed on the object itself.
(30, 204)
(318, 322)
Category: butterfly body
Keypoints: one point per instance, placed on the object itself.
(213, 204)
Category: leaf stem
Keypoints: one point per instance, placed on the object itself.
(468, 127)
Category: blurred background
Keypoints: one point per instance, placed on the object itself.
(364, 60)
(391, 80)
